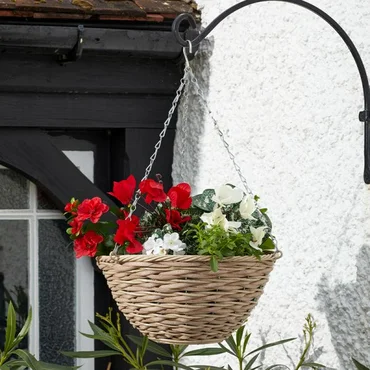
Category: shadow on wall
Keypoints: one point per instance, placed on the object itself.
(347, 308)
(190, 124)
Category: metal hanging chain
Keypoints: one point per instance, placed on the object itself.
(199, 92)
(184, 80)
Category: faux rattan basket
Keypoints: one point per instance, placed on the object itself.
(179, 300)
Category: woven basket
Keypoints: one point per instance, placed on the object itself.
(179, 300)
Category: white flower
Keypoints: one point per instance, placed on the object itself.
(154, 246)
(247, 207)
(173, 242)
(257, 237)
(218, 218)
(226, 194)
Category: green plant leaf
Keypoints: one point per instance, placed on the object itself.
(169, 363)
(231, 343)
(239, 335)
(249, 365)
(152, 347)
(48, 366)
(314, 365)
(11, 327)
(205, 352)
(104, 337)
(359, 366)
(245, 343)
(277, 366)
(91, 354)
(204, 201)
(25, 329)
(29, 359)
(214, 263)
(271, 345)
(225, 349)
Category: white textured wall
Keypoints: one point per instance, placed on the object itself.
(286, 90)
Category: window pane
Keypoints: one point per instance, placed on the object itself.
(43, 201)
(13, 271)
(13, 190)
(57, 292)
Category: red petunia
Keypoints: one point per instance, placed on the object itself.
(71, 207)
(173, 217)
(76, 226)
(126, 233)
(153, 190)
(180, 196)
(124, 190)
(91, 209)
(87, 244)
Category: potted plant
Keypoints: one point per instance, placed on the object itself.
(14, 358)
(191, 268)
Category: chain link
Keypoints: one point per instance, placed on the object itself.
(185, 82)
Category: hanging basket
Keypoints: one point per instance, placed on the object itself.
(179, 300)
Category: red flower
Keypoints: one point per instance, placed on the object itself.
(124, 190)
(180, 196)
(87, 244)
(76, 226)
(153, 190)
(126, 233)
(71, 207)
(91, 209)
(174, 218)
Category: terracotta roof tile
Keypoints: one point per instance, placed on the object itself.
(117, 10)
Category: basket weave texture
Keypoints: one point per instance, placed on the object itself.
(179, 300)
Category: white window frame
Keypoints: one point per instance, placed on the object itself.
(84, 272)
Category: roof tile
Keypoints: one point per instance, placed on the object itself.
(141, 10)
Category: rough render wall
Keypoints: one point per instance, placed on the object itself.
(287, 93)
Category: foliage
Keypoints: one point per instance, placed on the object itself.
(14, 358)
(220, 222)
(359, 366)
(236, 345)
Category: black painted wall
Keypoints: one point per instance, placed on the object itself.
(118, 102)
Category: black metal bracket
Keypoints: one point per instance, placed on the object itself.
(76, 52)
(364, 115)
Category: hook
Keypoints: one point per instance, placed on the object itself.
(76, 52)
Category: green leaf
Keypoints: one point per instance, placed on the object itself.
(214, 263)
(205, 352)
(359, 366)
(246, 341)
(277, 366)
(239, 335)
(101, 335)
(11, 327)
(231, 342)
(248, 366)
(225, 349)
(29, 359)
(25, 329)
(271, 345)
(170, 363)
(152, 347)
(48, 366)
(268, 244)
(204, 201)
(91, 354)
(314, 365)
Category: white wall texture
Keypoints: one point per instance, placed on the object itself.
(286, 91)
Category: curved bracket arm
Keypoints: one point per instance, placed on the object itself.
(364, 116)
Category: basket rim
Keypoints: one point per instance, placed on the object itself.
(189, 257)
